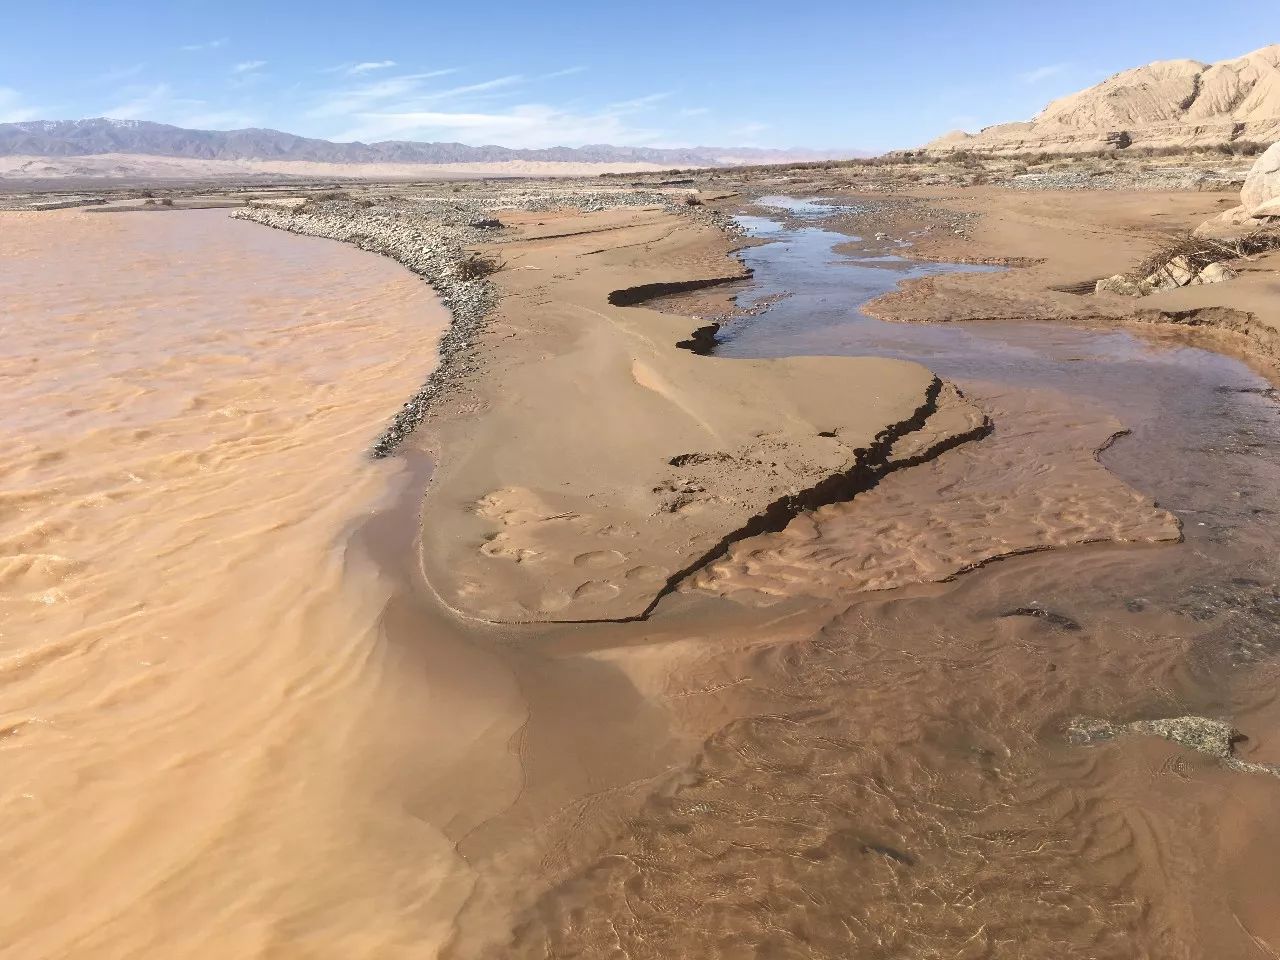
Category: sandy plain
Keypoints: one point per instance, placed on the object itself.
(108, 167)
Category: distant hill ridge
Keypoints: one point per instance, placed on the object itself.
(1170, 103)
(82, 138)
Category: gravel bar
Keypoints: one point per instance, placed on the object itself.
(431, 237)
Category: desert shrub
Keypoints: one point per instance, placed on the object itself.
(476, 266)
(1202, 251)
(167, 202)
(965, 158)
(691, 201)
(1246, 148)
(150, 202)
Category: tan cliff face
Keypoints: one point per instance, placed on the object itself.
(1170, 103)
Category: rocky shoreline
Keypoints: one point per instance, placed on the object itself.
(430, 236)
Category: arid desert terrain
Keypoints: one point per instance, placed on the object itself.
(830, 559)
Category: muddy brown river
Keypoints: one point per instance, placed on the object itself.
(202, 730)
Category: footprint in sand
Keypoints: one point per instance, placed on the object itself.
(646, 574)
(598, 559)
(596, 590)
(551, 602)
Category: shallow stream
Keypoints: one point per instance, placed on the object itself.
(1205, 428)
(902, 783)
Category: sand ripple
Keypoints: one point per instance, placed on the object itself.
(1035, 483)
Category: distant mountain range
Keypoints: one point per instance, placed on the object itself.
(86, 138)
(1169, 103)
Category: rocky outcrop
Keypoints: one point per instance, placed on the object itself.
(1180, 271)
(1171, 103)
(1119, 284)
(1261, 193)
(1215, 273)
(1259, 201)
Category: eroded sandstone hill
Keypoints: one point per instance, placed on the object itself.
(1170, 103)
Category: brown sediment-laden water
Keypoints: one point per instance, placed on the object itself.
(904, 776)
(202, 730)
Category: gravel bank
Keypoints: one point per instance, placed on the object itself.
(1163, 180)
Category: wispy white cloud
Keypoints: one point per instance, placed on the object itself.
(353, 69)
(206, 45)
(454, 114)
(525, 125)
(566, 72)
(370, 65)
(370, 100)
(140, 103)
(637, 103)
(216, 120)
(370, 95)
(159, 103)
(1044, 73)
(454, 93)
(746, 134)
(13, 109)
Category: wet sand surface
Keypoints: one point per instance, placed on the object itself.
(887, 771)
(203, 730)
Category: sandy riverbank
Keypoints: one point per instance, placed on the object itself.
(1061, 243)
(871, 788)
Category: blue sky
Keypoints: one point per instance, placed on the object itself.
(869, 75)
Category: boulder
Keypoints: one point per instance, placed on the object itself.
(1119, 284)
(1235, 216)
(1262, 185)
(1215, 273)
(1226, 223)
(1268, 210)
(1178, 272)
